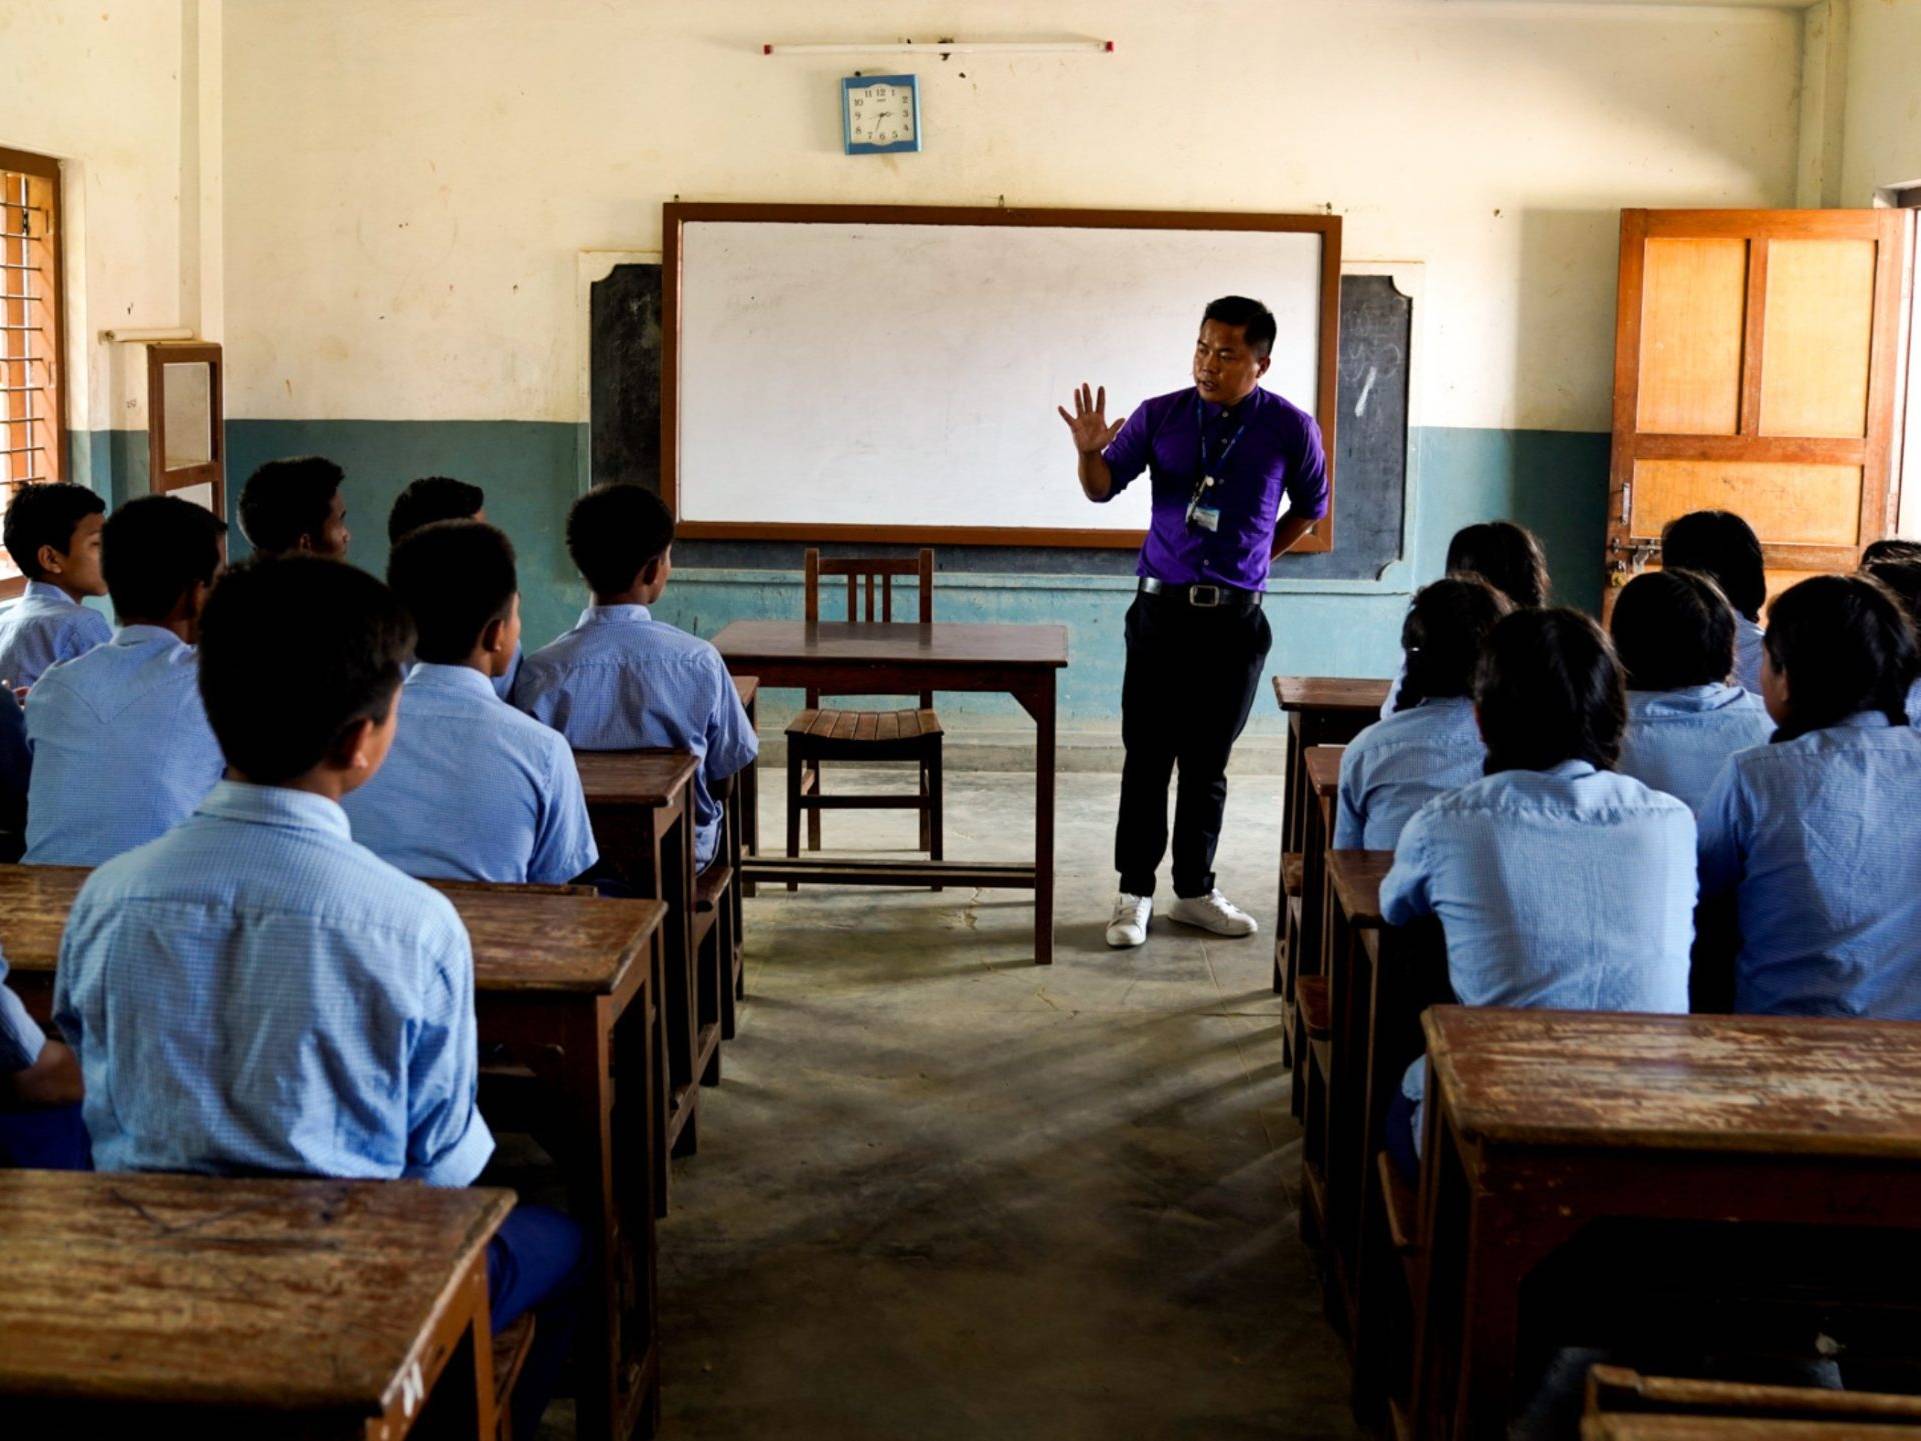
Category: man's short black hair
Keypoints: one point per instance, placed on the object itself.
(432, 498)
(1673, 628)
(454, 577)
(1846, 645)
(1549, 690)
(155, 549)
(1445, 629)
(1505, 555)
(286, 499)
(1890, 548)
(1723, 547)
(1255, 320)
(614, 532)
(293, 651)
(46, 515)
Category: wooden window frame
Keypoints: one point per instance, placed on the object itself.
(213, 471)
(45, 168)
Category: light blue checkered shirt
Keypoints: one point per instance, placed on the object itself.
(621, 679)
(1914, 704)
(473, 790)
(1749, 647)
(121, 748)
(1820, 840)
(20, 1039)
(1677, 741)
(44, 626)
(1398, 765)
(254, 992)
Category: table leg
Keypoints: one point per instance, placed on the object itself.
(459, 1399)
(750, 798)
(1041, 707)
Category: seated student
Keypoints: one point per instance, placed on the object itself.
(1890, 548)
(1431, 744)
(441, 497)
(121, 745)
(253, 992)
(294, 507)
(1903, 577)
(53, 534)
(473, 790)
(1818, 836)
(40, 1123)
(621, 679)
(1507, 557)
(1674, 633)
(1724, 548)
(1558, 883)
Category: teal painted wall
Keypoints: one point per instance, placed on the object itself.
(1554, 482)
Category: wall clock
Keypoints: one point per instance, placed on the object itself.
(880, 114)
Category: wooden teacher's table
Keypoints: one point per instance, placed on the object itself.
(879, 658)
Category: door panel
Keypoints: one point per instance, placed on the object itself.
(1785, 503)
(1820, 322)
(1694, 304)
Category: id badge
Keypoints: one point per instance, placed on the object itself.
(1207, 517)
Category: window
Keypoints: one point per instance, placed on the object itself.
(32, 378)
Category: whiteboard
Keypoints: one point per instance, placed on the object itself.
(905, 376)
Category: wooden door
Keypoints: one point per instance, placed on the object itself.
(1757, 368)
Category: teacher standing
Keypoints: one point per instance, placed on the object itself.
(1220, 455)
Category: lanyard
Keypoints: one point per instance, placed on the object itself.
(1208, 478)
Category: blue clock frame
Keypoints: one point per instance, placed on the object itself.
(852, 83)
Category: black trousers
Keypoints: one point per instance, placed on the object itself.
(1190, 683)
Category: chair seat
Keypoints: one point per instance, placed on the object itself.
(1293, 868)
(512, 1345)
(711, 884)
(864, 727)
(1317, 1014)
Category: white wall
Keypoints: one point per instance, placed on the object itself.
(1882, 134)
(407, 183)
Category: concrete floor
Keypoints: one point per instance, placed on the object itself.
(942, 1192)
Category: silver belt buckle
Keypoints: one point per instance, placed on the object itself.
(1213, 595)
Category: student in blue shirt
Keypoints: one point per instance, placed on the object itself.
(1505, 555)
(621, 679)
(1431, 744)
(122, 749)
(441, 497)
(1903, 577)
(1674, 633)
(1724, 548)
(474, 790)
(1818, 836)
(40, 1123)
(255, 993)
(294, 507)
(53, 534)
(1558, 883)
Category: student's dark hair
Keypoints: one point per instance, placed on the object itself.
(153, 550)
(1846, 645)
(1903, 577)
(1723, 547)
(286, 499)
(1506, 556)
(1673, 628)
(1892, 548)
(293, 651)
(614, 531)
(454, 577)
(1446, 626)
(1255, 320)
(432, 498)
(45, 515)
(1549, 690)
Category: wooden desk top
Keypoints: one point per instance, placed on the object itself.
(1332, 693)
(1324, 768)
(1775, 1084)
(644, 778)
(285, 1295)
(1356, 877)
(745, 642)
(746, 687)
(521, 942)
(1632, 1426)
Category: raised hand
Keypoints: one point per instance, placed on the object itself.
(1088, 424)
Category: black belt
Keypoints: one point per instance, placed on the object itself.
(1205, 597)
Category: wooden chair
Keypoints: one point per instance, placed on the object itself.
(861, 737)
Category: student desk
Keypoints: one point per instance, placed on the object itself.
(1539, 1123)
(883, 658)
(747, 795)
(1321, 710)
(1303, 1001)
(245, 1308)
(1632, 1427)
(641, 804)
(566, 984)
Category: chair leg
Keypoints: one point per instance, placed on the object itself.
(926, 828)
(813, 815)
(793, 804)
(935, 849)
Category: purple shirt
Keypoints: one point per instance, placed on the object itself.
(1278, 448)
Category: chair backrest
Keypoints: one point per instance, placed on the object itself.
(873, 600)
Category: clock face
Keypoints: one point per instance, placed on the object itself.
(882, 113)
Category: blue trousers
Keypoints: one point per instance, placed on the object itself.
(537, 1261)
(54, 1139)
(1400, 1136)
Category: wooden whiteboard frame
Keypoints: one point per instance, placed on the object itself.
(677, 214)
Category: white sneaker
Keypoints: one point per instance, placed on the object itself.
(1129, 926)
(1212, 912)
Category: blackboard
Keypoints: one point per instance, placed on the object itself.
(1370, 462)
